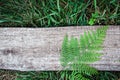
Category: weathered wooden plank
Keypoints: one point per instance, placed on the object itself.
(34, 49)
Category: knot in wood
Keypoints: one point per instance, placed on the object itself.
(9, 51)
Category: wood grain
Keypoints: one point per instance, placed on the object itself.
(37, 49)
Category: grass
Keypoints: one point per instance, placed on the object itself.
(53, 75)
(47, 13)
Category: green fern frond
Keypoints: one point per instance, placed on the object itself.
(82, 42)
(86, 38)
(78, 54)
(89, 57)
(64, 51)
(74, 47)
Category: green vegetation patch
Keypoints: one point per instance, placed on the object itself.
(77, 54)
(46, 13)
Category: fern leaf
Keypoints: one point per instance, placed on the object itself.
(82, 42)
(64, 51)
(78, 54)
(86, 39)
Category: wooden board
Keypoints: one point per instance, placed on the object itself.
(38, 49)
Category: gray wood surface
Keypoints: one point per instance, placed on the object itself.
(37, 49)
